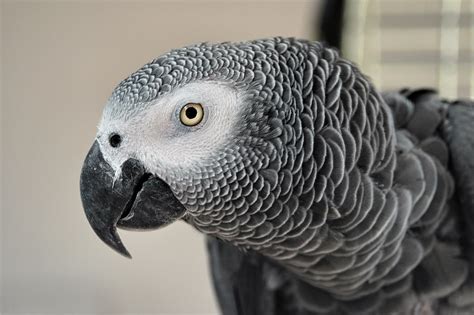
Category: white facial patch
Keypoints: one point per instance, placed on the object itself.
(162, 142)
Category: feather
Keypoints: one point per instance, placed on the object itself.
(441, 272)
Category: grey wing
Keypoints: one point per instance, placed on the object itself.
(443, 130)
(459, 135)
(246, 283)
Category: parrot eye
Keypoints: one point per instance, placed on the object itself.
(115, 140)
(191, 114)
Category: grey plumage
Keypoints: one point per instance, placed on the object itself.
(330, 197)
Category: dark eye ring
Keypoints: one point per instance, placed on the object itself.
(115, 140)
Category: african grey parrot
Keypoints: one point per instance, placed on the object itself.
(319, 194)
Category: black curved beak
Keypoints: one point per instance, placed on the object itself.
(135, 200)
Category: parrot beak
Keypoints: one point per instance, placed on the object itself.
(136, 200)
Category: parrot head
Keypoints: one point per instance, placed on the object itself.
(193, 135)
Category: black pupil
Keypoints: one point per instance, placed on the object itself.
(115, 140)
(191, 112)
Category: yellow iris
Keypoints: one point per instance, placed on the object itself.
(191, 114)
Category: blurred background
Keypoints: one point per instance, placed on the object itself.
(60, 60)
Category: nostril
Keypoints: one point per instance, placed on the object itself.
(115, 140)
